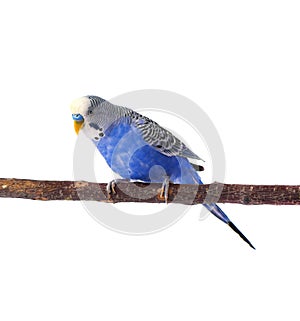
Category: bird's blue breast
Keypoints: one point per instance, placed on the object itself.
(126, 152)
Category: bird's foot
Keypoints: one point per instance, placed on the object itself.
(164, 191)
(110, 187)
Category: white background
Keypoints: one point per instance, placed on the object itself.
(240, 62)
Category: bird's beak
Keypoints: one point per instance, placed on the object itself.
(78, 125)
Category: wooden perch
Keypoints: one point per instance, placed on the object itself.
(148, 193)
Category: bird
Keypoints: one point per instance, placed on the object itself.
(139, 149)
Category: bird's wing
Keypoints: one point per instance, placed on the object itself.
(160, 138)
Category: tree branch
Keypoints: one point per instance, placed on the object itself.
(149, 193)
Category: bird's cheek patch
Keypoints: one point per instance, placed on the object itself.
(96, 132)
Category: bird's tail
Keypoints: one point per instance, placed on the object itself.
(215, 209)
(190, 176)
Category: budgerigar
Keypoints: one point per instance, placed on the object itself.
(137, 148)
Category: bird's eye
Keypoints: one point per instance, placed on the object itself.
(77, 117)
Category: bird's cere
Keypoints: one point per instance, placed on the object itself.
(77, 117)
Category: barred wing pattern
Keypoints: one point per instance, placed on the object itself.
(160, 138)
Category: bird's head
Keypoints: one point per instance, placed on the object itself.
(87, 109)
(79, 108)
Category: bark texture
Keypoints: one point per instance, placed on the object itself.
(149, 193)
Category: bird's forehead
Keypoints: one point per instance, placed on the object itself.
(80, 105)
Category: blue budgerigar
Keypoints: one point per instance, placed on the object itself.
(137, 148)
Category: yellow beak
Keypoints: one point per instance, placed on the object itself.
(78, 125)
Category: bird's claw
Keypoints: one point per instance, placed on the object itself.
(111, 187)
(164, 191)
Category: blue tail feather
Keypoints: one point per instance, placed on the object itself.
(217, 211)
